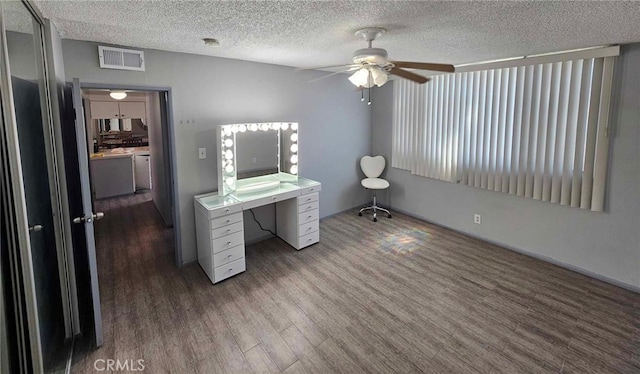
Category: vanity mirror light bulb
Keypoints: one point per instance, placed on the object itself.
(294, 148)
(294, 126)
(228, 155)
(264, 127)
(275, 126)
(294, 137)
(234, 129)
(229, 181)
(242, 128)
(229, 168)
(294, 159)
(228, 143)
(253, 127)
(294, 169)
(284, 126)
(227, 130)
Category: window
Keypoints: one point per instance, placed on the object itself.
(534, 127)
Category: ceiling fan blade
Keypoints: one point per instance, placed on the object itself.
(330, 75)
(424, 66)
(409, 75)
(329, 67)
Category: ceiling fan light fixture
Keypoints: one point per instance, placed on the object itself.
(118, 94)
(379, 76)
(367, 77)
(360, 78)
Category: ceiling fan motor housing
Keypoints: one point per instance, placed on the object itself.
(375, 56)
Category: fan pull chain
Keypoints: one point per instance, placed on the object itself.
(370, 84)
(362, 92)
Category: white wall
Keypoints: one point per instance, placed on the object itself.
(606, 244)
(159, 166)
(334, 125)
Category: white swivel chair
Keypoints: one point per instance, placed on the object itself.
(372, 167)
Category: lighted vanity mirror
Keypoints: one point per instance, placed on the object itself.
(255, 157)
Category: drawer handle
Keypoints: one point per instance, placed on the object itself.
(309, 239)
(227, 210)
(309, 207)
(275, 197)
(228, 220)
(309, 199)
(228, 230)
(308, 217)
(311, 189)
(228, 243)
(229, 255)
(230, 270)
(308, 228)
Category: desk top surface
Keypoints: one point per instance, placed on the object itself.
(212, 200)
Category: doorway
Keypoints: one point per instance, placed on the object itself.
(128, 139)
(127, 146)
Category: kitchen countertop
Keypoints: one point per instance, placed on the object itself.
(128, 152)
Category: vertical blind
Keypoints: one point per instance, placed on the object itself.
(538, 131)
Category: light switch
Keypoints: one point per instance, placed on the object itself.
(202, 153)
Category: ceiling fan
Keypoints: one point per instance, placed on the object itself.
(372, 66)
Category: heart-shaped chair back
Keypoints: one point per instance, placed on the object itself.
(372, 167)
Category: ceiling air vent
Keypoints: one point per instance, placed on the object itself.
(119, 58)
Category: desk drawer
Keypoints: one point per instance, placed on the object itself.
(309, 190)
(229, 255)
(228, 242)
(309, 198)
(228, 270)
(307, 240)
(223, 211)
(226, 220)
(307, 217)
(226, 230)
(249, 204)
(307, 207)
(308, 228)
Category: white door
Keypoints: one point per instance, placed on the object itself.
(84, 217)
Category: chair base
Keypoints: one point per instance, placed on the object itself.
(375, 208)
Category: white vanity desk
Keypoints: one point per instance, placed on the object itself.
(220, 226)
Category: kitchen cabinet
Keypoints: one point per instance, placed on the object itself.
(112, 175)
(104, 109)
(132, 109)
(112, 109)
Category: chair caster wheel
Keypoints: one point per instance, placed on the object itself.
(375, 220)
(360, 214)
(389, 216)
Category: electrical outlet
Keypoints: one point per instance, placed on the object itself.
(477, 219)
(254, 160)
(202, 153)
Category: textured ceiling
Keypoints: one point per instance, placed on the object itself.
(307, 33)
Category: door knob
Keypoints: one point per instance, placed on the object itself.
(88, 219)
(35, 228)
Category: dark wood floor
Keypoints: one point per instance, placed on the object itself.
(398, 295)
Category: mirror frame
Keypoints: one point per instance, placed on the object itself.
(227, 155)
